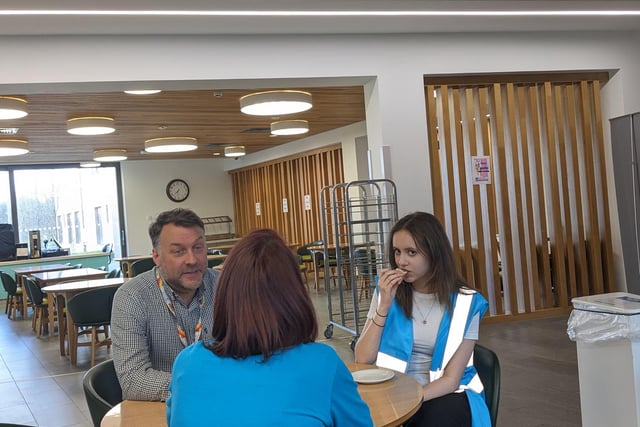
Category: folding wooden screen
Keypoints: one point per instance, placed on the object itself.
(284, 194)
(519, 181)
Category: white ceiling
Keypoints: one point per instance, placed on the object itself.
(152, 17)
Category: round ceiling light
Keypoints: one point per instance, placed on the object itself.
(290, 127)
(234, 151)
(13, 147)
(143, 92)
(90, 164)
(12, 108)
(110, 155)
(172, 144)
(276, 102)
(90, 126)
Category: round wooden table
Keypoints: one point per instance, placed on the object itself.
(391, 403)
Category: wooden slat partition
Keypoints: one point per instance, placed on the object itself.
(291, 178)
(539, 233)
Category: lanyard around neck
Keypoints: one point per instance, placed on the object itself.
(197, 331)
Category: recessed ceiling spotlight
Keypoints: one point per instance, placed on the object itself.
(90, 126)
(9, 131)
(142, 92)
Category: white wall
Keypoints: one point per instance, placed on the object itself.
(145, 196)
(391, 67)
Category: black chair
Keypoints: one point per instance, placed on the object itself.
(90, 312)
(488, 367)
(108, 249)
(40, 304)
(140, 266)
(14, 295)
(116, 272)
(101, 389)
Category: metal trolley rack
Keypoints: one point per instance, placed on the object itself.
(356, 220)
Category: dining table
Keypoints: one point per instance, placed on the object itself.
(391, 403)
(21, 272)
(61, 293)
(47, 278)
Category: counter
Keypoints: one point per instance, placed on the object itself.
(89, 259)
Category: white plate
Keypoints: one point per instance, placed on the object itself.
(372, 376)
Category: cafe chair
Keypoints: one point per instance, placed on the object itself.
(90, 312)
(488, 367)
(303, 270)
(40, 305)
(140, 266)
(116, 272)
(14, 295)
(365, 263)
(101, 390)
(214, 262)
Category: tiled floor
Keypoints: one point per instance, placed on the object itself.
(38, 387)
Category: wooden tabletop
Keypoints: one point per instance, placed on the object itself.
(391, 403)
(62, 292)
(27, 271)
(41, 268)
(47, 277)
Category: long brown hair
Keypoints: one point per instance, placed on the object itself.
(261, 303)
(432, 241)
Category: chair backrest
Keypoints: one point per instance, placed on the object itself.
(140, 266)
(213, 262)
(365, 260)
(488, 367)
(34, 292)
(92, 307)
(8, 283)
(116, 272)
(101, 389)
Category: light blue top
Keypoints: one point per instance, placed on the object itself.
(305, 386)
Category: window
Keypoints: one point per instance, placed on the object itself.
(78, 234)
(61, 201)
(98, 215)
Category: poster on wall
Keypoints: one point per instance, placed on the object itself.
(257, 208)
(307, 202)
(481, 170)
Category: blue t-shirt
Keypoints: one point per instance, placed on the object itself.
(304, 386)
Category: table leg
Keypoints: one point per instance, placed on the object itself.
(25, 304)
(60, 314)
(71, 339)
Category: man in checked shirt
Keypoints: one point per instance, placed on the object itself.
(159, 312)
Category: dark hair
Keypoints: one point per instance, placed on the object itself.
(432, 241)
(178, 216)
(261, 303)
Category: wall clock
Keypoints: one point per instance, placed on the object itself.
(177, 190)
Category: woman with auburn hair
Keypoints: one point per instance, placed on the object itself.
(262, 366)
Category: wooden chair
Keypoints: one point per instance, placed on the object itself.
(90, 312)
(488, 367)
(101, 390)
(14, 295)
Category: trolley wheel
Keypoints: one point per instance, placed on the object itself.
(328, 333)
(353, 344)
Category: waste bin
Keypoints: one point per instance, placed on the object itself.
(606, 329)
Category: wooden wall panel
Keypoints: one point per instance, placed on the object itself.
(291, 178)
(539, 233)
